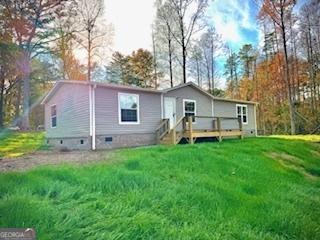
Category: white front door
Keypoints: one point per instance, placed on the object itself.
(170, 110)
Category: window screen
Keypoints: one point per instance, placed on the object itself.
(190, 109)
(242, 113)
(129, 104)
(53, 116)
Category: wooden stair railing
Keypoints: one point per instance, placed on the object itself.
(177, 136)
(163, 129)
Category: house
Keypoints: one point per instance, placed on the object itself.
(92, 115)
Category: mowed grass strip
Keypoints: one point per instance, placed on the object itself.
(230, 190)
(15, 144)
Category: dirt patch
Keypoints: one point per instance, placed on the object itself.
(292, 163)
(42, 158)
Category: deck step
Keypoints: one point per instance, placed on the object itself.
(167, 140)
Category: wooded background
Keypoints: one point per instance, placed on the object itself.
(43, 41)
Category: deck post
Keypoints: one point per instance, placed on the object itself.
(174, 136)
(240, 127)
(158, 137)
(214, 124)
(190, 130)
(184, 123)
(219, 128)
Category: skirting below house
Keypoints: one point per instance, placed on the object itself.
(110, 141)
(103, 141)
(125, 140)
(72, 143)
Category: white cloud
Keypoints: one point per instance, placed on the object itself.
(132, 23)
(226, 28)
(229, 17)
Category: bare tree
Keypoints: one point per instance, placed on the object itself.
(196, 62)
(92, 30)
(186, 14)
(64, 46)
(310, 41)
(155, 63)
(210, 44)
(164, 27)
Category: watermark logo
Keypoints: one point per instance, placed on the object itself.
(17, 234)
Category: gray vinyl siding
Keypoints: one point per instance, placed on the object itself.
(229, 109)
(203, 105)
(204, 108)
(73, 117)
(72, 101)
(107, 115)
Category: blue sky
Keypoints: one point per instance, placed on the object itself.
(236, 21)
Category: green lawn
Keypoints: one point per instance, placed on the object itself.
(258, 188)
(14, 144)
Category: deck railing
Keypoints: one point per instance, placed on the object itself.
(162, 129)
(184, 128)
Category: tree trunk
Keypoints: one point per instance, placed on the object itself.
(89, 55)
(184, 64)
(2, 103)
(18, 101)
(25, 123)
(212, 67)
(208, 76)
(287, 76)
(170, 60)
(198, 72)
(236, 78)
(154, 63)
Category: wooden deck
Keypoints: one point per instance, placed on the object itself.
(168, 136)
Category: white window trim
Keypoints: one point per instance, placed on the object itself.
(195, 108)
(53, 116)
(246, 106)
(119, 109)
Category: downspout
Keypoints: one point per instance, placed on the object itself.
(90, 112)
(212, 107)
(92, 116)
(255, 120)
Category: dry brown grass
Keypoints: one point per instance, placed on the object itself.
(292, 163)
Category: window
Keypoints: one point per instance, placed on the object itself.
(108, 139)
(128, 108)
(189, 108)
(242, 113)
(53, 116)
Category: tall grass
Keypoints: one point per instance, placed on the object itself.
(231, 190)
(14, 144)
